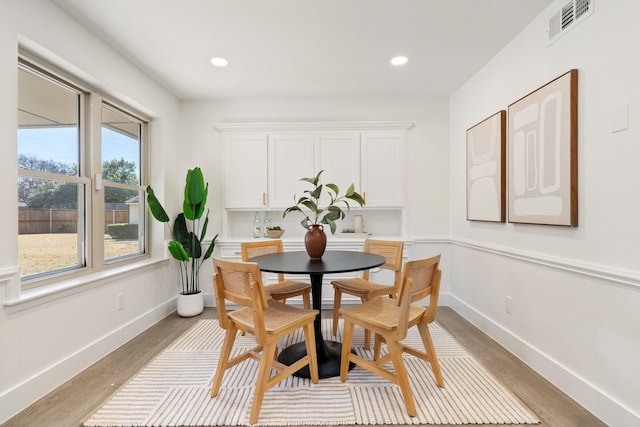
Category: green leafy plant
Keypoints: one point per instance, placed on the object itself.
(323, 215)
(188, 230)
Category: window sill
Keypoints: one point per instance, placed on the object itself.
(44, 294)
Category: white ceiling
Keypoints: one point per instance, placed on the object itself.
(307, 48)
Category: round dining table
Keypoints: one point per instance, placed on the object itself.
(298, 262)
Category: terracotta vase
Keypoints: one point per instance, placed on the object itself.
(315, 241)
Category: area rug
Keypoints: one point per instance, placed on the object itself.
(173, 390)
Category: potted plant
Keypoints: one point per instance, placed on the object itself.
(188, 233)
(315, 239)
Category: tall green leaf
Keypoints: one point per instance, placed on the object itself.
(177, 251)
(195, 194)
(155, 207)
(192, 246)
(180, 230)
(204, 227)
(209, 251)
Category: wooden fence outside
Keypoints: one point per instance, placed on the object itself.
(43, 221)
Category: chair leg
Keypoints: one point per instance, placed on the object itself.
(377, 345)
(337, 295)
(367, 333)
(266, 362)
(310, 342)
(395, 350)
(347, 338)
(223, 361)
(423, 328)
(306, 300)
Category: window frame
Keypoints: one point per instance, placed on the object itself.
(91, 246)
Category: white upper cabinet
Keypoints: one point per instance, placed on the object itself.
(265, 162)
(245, 179)
(291, 157)
(382, 168)
(338, 154)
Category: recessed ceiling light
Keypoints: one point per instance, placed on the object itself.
(219, 62)
(399, 60)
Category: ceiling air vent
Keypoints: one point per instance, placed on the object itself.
(571, 14)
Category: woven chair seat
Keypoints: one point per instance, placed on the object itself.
(362, 288)
(382, 312)
(286, 287)
(276, 315)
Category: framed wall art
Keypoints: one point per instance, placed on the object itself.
(486, 169)
(543, 154)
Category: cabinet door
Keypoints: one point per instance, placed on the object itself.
(383, 168)
(291, 157)
(338, 154)
(246, 171)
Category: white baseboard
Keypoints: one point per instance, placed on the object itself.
(24, 394)
(586, 394)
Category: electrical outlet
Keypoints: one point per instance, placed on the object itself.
(121, 301)
(507, 304)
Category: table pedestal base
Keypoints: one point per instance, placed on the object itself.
(328, 359)
(298, 262)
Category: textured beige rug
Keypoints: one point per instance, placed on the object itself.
(173, 390)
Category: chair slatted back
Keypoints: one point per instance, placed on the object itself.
(240, 283)
(391, 251)
(430, 315)
(420, 278)
(404, 302)
(425, 276)
(262, 247)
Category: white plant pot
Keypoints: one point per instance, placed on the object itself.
(190, 305)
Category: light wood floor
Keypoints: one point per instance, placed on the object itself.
(74, 401)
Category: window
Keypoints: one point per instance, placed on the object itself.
(81, 181)
(123, 197)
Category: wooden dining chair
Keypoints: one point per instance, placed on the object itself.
(285, 288)
(364, 288)
(240, 283)
(390, 319)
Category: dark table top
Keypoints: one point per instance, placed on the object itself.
(298, 262)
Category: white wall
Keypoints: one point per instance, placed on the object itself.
(47, 340)
(575, 291)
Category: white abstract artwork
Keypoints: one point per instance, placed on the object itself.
(485, 169)
(542, 152)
